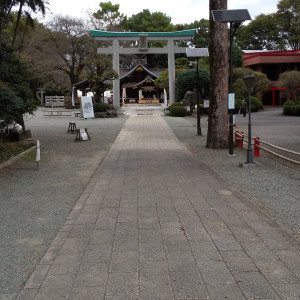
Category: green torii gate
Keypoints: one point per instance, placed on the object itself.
(142, 38)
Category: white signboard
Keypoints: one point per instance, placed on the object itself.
(206, 103)
(231, 101)
(87, 109)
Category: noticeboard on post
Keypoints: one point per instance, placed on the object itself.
(87, 109)
(231, 100)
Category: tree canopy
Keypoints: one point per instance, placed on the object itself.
(275, 31)
(108, 17)
(146, 21)
(187, 81)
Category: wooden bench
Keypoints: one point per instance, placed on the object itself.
(57, 113)
(145, 111)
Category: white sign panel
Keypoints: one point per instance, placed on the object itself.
(87, 108)
(206, 103)
(231, 101)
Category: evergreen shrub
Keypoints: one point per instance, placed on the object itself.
(101, 107)
(291, 108)
(178, 111)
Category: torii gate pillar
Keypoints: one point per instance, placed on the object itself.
(142, 38)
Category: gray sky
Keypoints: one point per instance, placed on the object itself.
(181, 11)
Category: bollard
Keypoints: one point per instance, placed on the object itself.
(256, 147)
(38, 154)
(239, 138)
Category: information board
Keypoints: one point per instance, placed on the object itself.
(87, 109)
(231, 101)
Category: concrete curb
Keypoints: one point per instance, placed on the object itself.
(15, 158)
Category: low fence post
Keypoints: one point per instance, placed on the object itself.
(239, 138)
(256, 147)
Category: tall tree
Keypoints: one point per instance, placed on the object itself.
(26, 7)
(276, 31)
(108, 17)
(289, 22)
(100, 75)
(146, 21)
(217, 136)
(15, 94)
(72, 44)
(290, 80)
(261, 34)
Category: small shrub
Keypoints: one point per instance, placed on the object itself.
(291, 108)
(287, 111)
(173, 105)
(256, 104)
(101, 107)
(178, 111)
(297, 109)
(185, 102)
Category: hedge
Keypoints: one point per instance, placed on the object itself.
(178, 111)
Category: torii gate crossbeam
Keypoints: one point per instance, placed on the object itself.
(143, 38)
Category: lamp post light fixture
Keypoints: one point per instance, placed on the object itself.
(235, 17)
(249, 80)
(197, 53)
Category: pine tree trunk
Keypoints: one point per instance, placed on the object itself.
(217, 135)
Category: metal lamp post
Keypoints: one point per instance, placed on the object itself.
(197, 53)
(249, 81)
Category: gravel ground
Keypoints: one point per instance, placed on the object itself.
(35, 204)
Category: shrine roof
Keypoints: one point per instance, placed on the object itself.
(99, 33)
(154, 73)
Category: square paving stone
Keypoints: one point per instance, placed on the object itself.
(65, 264)
(122, 286)
(98, 253)
(276, 241)
(88, 293)
(56, 287)
(288, 291)
(155, 286)
(153, 266)
(225, 291)
(102, 237)
(124, 262)
(226, 242)
(255, 286)
(92, 274)
(188, 285)
(215, 272)
(151, 252)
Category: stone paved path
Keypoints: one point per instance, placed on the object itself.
(154, 223)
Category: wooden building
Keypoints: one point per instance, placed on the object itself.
(272, 63)
(139, 84)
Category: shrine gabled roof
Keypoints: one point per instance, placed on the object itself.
(143, 81)
(135, 68)
(99, 33)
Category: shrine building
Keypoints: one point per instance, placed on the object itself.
(272, 63)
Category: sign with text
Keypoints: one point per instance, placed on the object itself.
(87, 109)
(231, 100)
